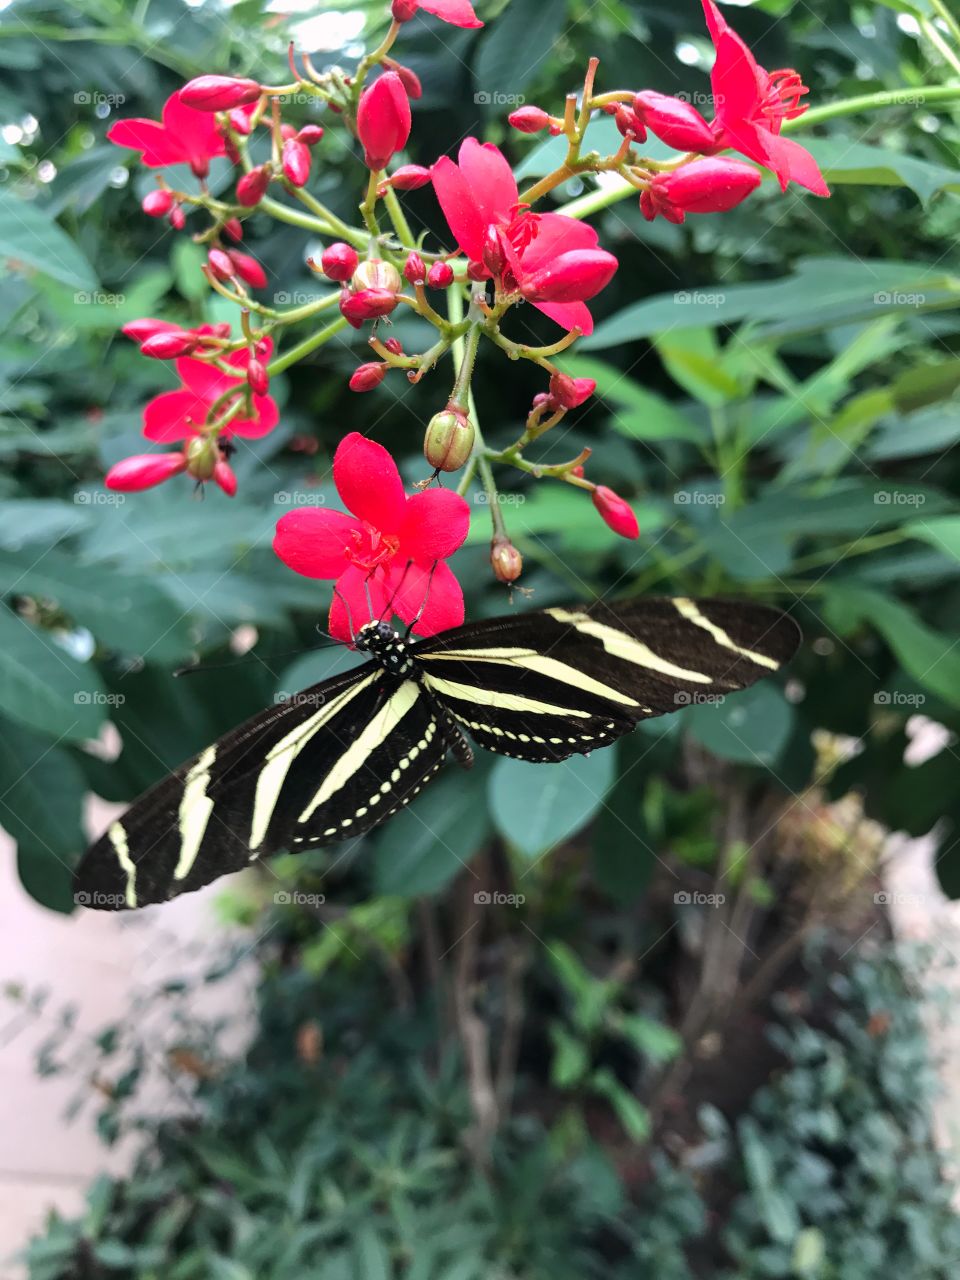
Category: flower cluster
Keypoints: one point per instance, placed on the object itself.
(502, 250)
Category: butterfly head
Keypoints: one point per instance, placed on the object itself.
(385, 644)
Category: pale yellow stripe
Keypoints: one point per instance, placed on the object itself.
(530, 660)
(687, 609)
(118, 838)
(195, 809)
(503, 701)
(621, 645)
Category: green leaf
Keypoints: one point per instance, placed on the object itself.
(42, 687)
(751, 727)
(426, 845)
(24, 521)
(535, 806)
(944, 533)
(694, 361)
(30, 236)
(846, 162)
(640, 414)
(506, 62)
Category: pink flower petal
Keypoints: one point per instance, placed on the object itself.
(204, 380)
(557, 234)
(459, 13)
(312, 541)
(196, 132)
(267, 417)
(791, 162)
(568, 315)
(369, 483)
(490, 179)
(432, 588)
(174, 415)
(149, 137)
(735, 80)
(459, 207)
(354, 586)
(435, 524)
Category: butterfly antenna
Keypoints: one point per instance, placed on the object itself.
(426, 597)
(366, 587)
(399, 587)
(340, 596)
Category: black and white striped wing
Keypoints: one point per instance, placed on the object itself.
(549, 684)
(331, 764)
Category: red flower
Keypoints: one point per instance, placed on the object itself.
(390, 546)
(176, 415)
(143, 471)
(711, 185)
(551, 259)
(459, 13)
(186, 136)
(383, 120)
(616, 512)
(752, 104)
(219, 93)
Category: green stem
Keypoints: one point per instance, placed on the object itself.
(398, 217)
(369, 207)
(905, 96)
(305, 347)
(862, 547)
(466, 350)
(938, 42)
(353, 235)
(952, 24)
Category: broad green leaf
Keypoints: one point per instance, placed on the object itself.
(640, 414)
(693, 359)
(42, 687)
(930, 430)
(25, 521)
(506, 61)
(29, 235)
(426, 845)
(846, 162)
(943, 533)
(751, 727)
(535, 806)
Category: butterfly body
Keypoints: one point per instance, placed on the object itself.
(344, 755)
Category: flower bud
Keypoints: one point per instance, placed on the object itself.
(141, 330)
(225, 477)
(677, 123)
(383, 120)
(296, 162)
(169, 345)
(219, 93)
(248, 269)
(220, 263)
(711, 185)
(233, 228)
(287, 131)
(310, 134)
(252, 187)
(615, 512)
(574, 276)
(178, 219)
(477, 272)
(143, 471)
(440, 275)
(506, 560)
(493, 252)
(408, 78)
(570, 393)
(529, 119)
(258, 380)
(376, 274)
(409, 177)
(630, 124)
(339, 261)
(368, 376)
(368, 304)
(394, 346)
(202, 456)
(403, 10)
(157, 204)
(414, 269)
(241, 120)
(448, 441)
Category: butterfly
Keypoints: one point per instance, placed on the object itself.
(344, 755)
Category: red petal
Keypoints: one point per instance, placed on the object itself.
(569, 315)
(459, 13)
(143, 471)
(354, 585)
(204, 380)
(735, 80)
(432, 588)
(435, 524)
(149, 137)
(369, 483)
(716, 22)
(267, 417)
(459, 206)
(312, 541)
(196, 132)
(173, 416)
(557, 234)
(491, 181)
(791, 162)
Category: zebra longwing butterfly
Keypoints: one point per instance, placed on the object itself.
(347, 753)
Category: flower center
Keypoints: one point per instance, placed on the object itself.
(369, 547)
(781, 98)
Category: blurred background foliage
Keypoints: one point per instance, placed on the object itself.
(777, 395)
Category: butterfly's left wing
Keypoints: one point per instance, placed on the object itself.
(557, 682)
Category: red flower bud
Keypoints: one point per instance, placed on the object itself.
(248, 269)
(529, 119)
(258, 380)
(403, 10)
(409, 177)
(574, 276)
(178, 219)
(241, 121)
(409, 79)
(394, 346)
(677, 123)
(449, 439)
(615, 512)
(339, 261)
(310, 134)
(218, 93)
(477, 272)
(221, 264)
(712, 185)
(630, 124)
(156, 204)
(141, 330)
(225, 477)
(143, 471)
(376, 274)
(570, 393)
(287, 131)
(440, 275)
(368, 304)
(169, 345)
(415, 269)
(383, 120)
(233, 227)
(296, 161)
(506, 560)
(368, 376)
(252, 187)
(494, 254)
